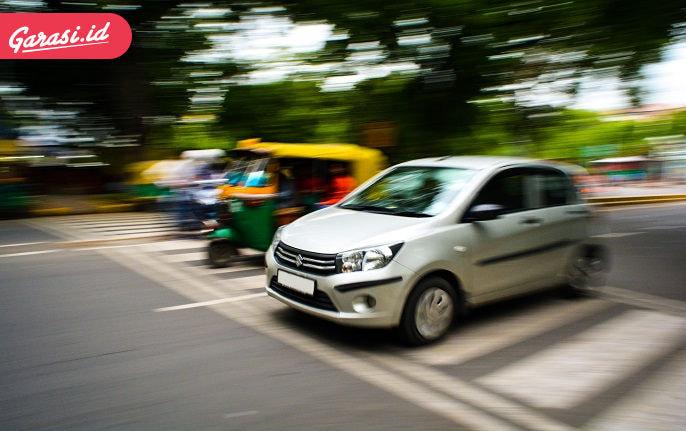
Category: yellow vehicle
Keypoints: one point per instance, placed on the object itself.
(275, 183)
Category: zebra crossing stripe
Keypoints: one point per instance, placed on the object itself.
(566, 374)
(175, 244)
(186, 257)
(488, 336)
(657, 405)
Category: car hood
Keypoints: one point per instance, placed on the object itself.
(334, 230)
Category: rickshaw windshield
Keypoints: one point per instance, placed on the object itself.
(236, 172)
(255, 174)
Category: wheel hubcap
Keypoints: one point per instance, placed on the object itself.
(585, 271)
(434, 313)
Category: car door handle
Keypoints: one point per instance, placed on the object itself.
(531, 220)
(577, 212)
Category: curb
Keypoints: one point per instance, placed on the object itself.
(634, 200)
(98, 209)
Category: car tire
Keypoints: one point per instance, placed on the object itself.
(586, 271)
(220, 253)
(429, 312)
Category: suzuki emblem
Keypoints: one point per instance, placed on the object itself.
(298, 261)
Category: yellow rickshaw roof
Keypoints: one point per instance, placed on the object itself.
(319, 151)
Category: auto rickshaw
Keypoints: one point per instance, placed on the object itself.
(279, 183)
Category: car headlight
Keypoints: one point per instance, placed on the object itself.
(277, 236)
(366, 259)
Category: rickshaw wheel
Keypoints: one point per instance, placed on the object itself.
(220, 253)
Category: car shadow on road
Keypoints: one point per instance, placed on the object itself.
(384, 340)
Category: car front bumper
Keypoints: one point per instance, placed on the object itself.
(336, 294)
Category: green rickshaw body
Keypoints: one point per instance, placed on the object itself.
(252, 224)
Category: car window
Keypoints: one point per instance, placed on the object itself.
(554, 188)
(508, 189)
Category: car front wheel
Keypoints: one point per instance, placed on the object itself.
(429, 311)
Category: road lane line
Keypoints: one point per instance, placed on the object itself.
(616, 234)
(27, 253)
(241, 414)
(488, 336)
(212, 302)
(103, 247)
(567, 373)
(22, 244)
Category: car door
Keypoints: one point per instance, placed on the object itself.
(505, 252)
(564, 219)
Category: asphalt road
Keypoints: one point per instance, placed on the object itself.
(123, 338)
(648, 249)
(82, 350)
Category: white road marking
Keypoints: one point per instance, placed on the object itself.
(209, 303)
(241, 414)
(617, 234)
(186, 257)
(564, 375)
(102, 247)
(657, 405)
(487, 337)
(219, 271)
(462, 390)
(22, 244)
(178, 244)
(28, 253)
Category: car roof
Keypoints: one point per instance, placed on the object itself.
(478, 162)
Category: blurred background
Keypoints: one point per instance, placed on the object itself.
(593, 82)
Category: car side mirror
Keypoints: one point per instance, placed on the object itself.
(483, 212)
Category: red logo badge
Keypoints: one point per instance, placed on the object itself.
(63, 35)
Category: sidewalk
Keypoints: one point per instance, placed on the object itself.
(51, 205)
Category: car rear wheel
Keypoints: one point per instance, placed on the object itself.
(586, 270)
(429, 311)
(220, 253)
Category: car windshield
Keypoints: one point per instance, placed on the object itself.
(412, 191)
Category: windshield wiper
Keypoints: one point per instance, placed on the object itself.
(383, 210)
(410, 214)
(370, 208)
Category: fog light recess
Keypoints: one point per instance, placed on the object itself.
(364, 303)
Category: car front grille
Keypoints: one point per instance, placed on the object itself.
(318, 300)
(313, 263)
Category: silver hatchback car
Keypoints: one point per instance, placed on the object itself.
(423, 241)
